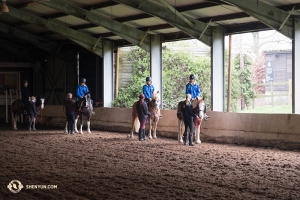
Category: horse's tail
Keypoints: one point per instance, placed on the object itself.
(179, 114)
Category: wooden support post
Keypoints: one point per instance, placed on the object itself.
(272, 95)
(290, 92)
(21, 113)
(229, 76)
(6, 105)
(117, 61)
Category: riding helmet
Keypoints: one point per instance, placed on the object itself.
(192, 76)
(25, 81)
(82, 80)
(148, 78)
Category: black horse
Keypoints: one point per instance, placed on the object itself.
(83, 108)
(18, 108)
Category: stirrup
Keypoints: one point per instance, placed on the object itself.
(206, 117)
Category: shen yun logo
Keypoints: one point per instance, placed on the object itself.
(15, 186)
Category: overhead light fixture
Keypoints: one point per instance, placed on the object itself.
(4, 8)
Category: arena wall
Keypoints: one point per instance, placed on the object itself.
(268, 130)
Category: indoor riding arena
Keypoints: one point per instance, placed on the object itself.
(109, 165)
(49, 45)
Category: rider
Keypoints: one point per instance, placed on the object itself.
(82, 88)
(193, 89)
(148, 90)
(26, 95)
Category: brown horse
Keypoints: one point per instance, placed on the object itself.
(198, 108)
(18, 107)
(153, 119)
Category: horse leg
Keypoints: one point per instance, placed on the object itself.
(14, 116)
(81, 120)
(180, 131)
(198, 141)
(33, 125)
(135, 121)
(66, 128)
(150, 128)
(88, 125)
(75, 124)
(154, 128)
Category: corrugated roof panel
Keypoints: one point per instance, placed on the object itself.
(39, 10)
(238, 21)
(167, 30)
(95, 30)
(212, 11)
(70, 20)
(117, 11)
(145, 22)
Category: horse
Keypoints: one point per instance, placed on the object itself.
(153, 118)
(86, 110)
(18, 108)
(198, 108)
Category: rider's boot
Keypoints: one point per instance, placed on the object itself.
(191, 139)
(140, 134)
(144, 134)
(185, 142)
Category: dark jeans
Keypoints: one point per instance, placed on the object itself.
(188, 125)
(71, 121)
(32, 119)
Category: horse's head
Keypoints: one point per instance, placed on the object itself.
(199, 104)
(39, 102)
(155, 98)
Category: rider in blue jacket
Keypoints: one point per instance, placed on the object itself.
(148, 89)
(82, 88)
(193, 89)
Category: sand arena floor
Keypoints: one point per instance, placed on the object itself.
(108, 165)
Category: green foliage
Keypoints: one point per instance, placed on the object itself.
(241, 82)
(141, 69)
(177, 67)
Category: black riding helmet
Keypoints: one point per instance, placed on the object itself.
(83, 80)
(192, 76)
(148, 78)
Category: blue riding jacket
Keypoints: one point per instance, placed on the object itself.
(193, 90)
(147, 91)
(81, 90)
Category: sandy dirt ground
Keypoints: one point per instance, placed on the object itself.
(108, 165)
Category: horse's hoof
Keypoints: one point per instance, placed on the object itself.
(150, 137)
(155, 137)
(181, 141)
(198, 142)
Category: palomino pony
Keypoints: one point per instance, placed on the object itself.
(198, 109)
(18, 108)
(153, 118)
(86, 110)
